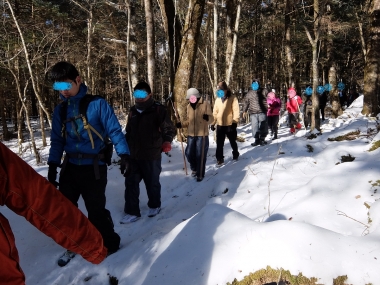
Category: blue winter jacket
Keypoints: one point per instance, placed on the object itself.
(100, 116)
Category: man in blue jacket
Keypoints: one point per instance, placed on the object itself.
(83, 139)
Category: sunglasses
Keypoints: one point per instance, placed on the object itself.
(140, 94)
(61, 86)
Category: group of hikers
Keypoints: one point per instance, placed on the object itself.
(84, 131)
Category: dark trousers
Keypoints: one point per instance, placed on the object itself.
(79, 180)
(221, 133)
(308, 119)
(293, 119)
(273, 123)
(194, 154)
(149, 171)
(322, 108)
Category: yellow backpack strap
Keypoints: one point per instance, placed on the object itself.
(90, 128)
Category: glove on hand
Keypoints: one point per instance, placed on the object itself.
(178, 125)
(166, 147)
(125, 165)
(52, 174)
(205, 117)
(212, 127)
(234, 126)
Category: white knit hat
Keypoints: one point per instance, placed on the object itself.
(192, 91)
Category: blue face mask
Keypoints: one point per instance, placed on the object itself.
(255, 86)
(140, 94)
(220, 93)
(61, 86)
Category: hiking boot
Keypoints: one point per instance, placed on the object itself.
(236, 158)
(193, 173)
(274, 137)
(199, 179)
(256, 143)
(109, 252)
(129, 219)
(263, 142)
(153, 212)
(292, 130)
(66, 257)
(220, 162)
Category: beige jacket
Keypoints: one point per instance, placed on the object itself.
(195, 124)
(227, 112)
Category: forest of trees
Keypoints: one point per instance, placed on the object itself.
(178, 44)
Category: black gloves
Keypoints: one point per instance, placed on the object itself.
(52, 174)
(212, 127)
(125, 166)
(205, 117)
(234, 126)
(178, 125)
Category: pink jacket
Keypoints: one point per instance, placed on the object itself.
(274, 106)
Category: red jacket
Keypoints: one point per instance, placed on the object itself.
(29, 194)
(291, 104)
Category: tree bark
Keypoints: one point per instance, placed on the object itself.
(334, 95)
(172, 27)
(6, 135)
(184, 74)
(150, 43)
(315, 120)
(372, 67)
(289, 58)
(232, 38)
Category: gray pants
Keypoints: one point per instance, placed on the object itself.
(259, 126)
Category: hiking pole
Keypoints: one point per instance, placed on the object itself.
(203, 144)
(178, 133)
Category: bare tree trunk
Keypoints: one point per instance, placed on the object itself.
(289, 58)
(372, 67)
(334, 95)
(215, 47)
(315, 120)
(6, 135)
(18, 87)
(20, 138)
(150, 42)
(362, 39)
(232, 48)
(189, 46)
(31, 72)
(42, 125)
(172, 27)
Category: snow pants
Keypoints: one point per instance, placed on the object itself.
(193, 153)
(149, 171)
(79, 180)
(30, 195)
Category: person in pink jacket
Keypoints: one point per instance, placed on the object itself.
(293, 106)
(273, 113)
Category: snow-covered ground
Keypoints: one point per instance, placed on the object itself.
(279, 205)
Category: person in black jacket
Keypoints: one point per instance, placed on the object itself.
(322, 103)
(149, 132)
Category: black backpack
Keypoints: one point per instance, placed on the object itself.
(83, 105)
